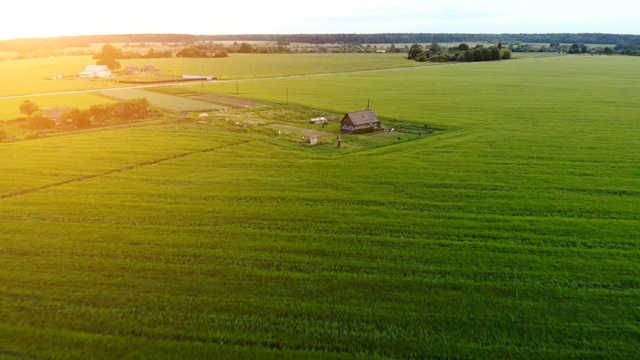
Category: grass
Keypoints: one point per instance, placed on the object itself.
(513, 235)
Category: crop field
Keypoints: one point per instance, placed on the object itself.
(513, 233)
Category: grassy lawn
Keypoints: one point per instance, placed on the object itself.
(512, 234)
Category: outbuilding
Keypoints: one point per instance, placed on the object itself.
(359, 122)
(130, 70)
(319, 120)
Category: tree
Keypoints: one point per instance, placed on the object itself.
(434, 48)
(499, 45)
(29, 107)
(505, 54)
(111, 63)
(132, 109)
(469, 56)
(110, 51)
(101, 113)
(245, 48)
(463, 47)
(81, 118)
(414, 50)
(477, 55)
(495, 53)
(608, 51)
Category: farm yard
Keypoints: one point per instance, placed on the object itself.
(510, 232)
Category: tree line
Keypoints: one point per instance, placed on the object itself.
(38, 44)
(76, 118)
(437, 53)
(409, 38)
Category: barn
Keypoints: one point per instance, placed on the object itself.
(95, 71)
(359, 122)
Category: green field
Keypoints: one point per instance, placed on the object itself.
(512, 234)
(165, 102)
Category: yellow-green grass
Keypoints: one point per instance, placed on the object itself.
(33, 76)
(162, 101)
(515, 235)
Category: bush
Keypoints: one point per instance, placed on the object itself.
(422, 57)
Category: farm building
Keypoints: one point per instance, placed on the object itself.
(129, 70)
(360, 121)
(148, 68)
(319, 120)
(95, 71)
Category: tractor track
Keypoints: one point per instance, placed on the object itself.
(116, 171)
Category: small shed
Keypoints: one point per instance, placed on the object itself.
(360, 121)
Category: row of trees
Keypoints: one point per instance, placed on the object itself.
(409, 38)
(124, 111)
(437, 53)
(627, 49)
(109, 55)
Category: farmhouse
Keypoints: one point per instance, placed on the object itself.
(95, 71)
(360, 121)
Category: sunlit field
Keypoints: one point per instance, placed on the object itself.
(512, 233)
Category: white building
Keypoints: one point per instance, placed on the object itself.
(95, 71)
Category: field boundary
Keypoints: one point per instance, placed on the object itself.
(116, 171)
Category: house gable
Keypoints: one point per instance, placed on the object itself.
(360, 121)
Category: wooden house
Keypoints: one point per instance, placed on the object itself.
(359, 122)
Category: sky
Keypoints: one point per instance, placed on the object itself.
(37, 18)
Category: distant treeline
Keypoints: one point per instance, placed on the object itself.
(399, 38)
(40, 44)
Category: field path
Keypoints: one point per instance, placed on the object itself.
(116, 171)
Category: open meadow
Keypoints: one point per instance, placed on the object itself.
(511, 233)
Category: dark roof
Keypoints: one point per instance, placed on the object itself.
(363, 117)
(55, 113)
